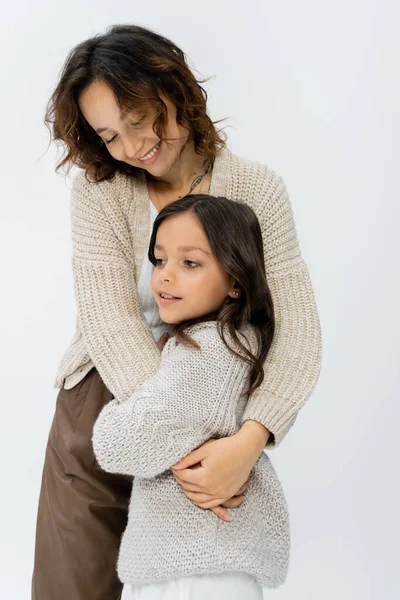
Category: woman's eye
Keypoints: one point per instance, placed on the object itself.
(109, 141)
(159, 261)
(138, 123)
(191, 264)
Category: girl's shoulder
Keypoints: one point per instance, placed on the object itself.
(208, 335)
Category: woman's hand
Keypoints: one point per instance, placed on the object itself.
(222, 469)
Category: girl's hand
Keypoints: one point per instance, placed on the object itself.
(222, 469)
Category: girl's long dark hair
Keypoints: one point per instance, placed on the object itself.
(139, 66)
(234, 234)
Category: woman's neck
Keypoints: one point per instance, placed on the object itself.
(181, 175)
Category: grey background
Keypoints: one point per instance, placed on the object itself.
(312, 89)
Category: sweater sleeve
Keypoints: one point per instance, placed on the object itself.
(114, 330)
(187, 402)
(293, 362)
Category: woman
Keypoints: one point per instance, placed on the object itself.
(133, 117)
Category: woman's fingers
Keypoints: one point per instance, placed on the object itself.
(202, 499)
(217, 505)
(195, 494)
(199, 498)
(186, 487)
(188, 479)
(243, 488)
(221, 513)
(233, 502)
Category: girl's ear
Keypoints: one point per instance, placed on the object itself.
(235, 291)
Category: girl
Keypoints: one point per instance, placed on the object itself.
(209, 283)
(130, 113)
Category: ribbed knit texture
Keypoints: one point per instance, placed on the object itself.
(110, 231)
(149, 305)
(194, 396)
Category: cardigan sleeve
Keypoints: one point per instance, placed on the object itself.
(116, 335)
(293, 363)
(188, 401)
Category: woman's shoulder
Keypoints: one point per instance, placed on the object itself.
(251, 181)
(82, 180)
(250, 170)
(118, 190)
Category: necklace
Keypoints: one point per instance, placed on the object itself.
(196, 181)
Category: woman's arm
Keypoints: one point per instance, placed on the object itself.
(190, 399)
(116, 335)
(293, 363)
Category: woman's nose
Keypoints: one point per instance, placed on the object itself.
(133, 147)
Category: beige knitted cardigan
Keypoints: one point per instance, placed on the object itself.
(110, 232)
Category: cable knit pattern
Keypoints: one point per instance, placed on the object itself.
(110, 230)
(195, 395)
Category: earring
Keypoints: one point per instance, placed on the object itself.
(236, 293)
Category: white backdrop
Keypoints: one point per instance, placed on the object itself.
(312, 89)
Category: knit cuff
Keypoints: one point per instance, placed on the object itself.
(274, 417)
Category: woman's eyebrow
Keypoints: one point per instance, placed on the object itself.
(183, 248)
(101, 129)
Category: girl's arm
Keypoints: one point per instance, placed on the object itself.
(186, 403)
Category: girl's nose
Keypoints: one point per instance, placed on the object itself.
(167, 274)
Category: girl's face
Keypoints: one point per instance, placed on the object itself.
(132, 139)
(187, 270)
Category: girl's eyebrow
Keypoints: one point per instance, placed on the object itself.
(183, 249)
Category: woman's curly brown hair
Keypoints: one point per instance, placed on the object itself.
(138, 65)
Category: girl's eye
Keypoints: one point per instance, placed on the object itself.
(192, 264)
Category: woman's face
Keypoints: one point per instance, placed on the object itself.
(131, 139)
(187, 269)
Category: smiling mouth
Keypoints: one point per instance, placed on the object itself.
(152, 152)
(168, 296)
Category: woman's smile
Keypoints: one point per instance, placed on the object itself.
(151, 157)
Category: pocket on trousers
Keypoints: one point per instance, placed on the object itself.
(70, 407)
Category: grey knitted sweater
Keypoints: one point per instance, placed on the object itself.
(195, 395)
